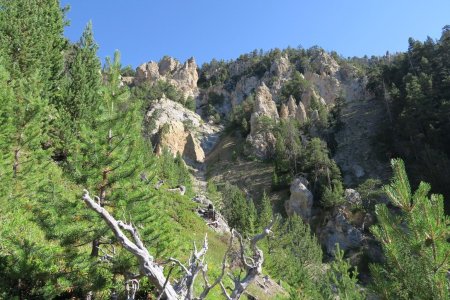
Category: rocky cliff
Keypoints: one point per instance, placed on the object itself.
(173, 126)
(183, 76)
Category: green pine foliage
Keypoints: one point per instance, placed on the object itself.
(414, 241)
(239, 211)
(83, 99)
(31, 35)
(414, 87)
(295, 256)
(295, 86)
(265, 212)
(67, 124)
(341, 281)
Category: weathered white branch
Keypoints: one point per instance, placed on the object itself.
(207, 288)
(180, 264)
(185, 287)
(255, 268)
(146, 262)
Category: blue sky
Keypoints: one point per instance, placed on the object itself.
(146, 30)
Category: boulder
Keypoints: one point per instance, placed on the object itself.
(353, 197)
(338, 230)
(301, 199)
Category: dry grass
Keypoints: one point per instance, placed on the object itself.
(227, 163)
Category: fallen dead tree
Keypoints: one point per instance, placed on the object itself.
(128, 237)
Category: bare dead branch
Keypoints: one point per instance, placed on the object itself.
(207, 288)
(147, 265)
(165, 283)
(185, 287)
(176, 261)
(224, 290)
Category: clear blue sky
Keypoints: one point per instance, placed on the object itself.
(146, 30)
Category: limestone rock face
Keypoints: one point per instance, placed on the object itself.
(179, 129)
(301, 199)
(324, 63)
(182, 76)
(261, 140)
(192, 148)
(172, 136)
(328, 87)
(243, 88)
(177, 139)
(262, 144)
(186, 77)
(147, 72)
(167, 65)
(264, 105)
(280, 66)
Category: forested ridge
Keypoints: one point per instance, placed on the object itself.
(92, 206)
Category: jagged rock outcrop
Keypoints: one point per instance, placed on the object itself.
(328, 87)
(323, 63)
(244, 87)
(301, 199)
(261, 139)
(182, 76)
(264, 104)
(181, 130)
(280, 67)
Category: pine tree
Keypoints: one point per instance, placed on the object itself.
(265, 214)
(340, 282)
(112, 154)
(83, 99)
(31, 35)
(414, 241)
(296, 256)
(29, 269)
